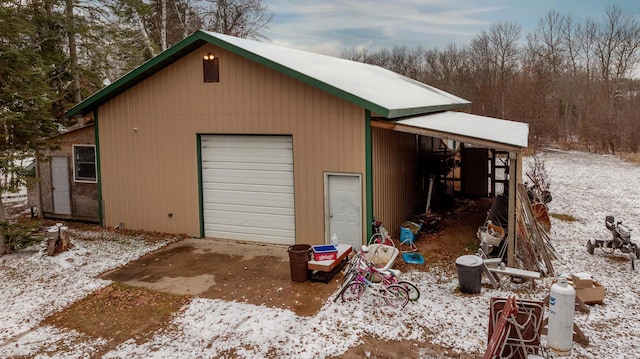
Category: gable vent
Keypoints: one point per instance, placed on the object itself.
(211, 68)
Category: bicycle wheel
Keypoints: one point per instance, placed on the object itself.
(414, 293)
(353, 291)
(348, 278)
(396, 296)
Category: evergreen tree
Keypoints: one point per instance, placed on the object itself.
(25, 98)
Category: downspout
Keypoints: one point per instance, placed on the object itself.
(96, 134)
(369, 173)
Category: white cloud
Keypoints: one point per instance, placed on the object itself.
(337, 24)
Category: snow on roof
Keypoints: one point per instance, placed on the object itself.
(374, 88)
(397, 95)
(474, 126)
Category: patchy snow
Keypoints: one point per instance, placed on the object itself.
(585, 186)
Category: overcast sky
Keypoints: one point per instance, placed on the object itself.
(332, 26)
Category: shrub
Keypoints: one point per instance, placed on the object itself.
(21, 235)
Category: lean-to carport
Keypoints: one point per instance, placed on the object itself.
(482, 131)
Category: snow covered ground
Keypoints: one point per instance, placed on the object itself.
(585, 186)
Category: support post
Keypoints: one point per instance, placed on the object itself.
(515, 177)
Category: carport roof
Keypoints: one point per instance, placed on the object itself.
(465, 127)
(374, 88)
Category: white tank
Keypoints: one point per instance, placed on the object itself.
(561, 310)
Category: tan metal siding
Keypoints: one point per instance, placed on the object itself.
(151, 172)
(395, 182)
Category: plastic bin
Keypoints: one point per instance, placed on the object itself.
(406, 236)
(325, 252)
(469, 273)
(408, 232)
(299, 255)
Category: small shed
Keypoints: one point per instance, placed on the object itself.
(67, 181)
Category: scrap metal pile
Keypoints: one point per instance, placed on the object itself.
(533, 243)
(534, 251)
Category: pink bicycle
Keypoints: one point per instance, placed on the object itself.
(394, 295)
(361, 270)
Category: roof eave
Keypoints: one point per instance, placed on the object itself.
(406, 112)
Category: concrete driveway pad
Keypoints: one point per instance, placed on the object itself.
(248, 272)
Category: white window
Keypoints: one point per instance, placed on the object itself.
(84, 163)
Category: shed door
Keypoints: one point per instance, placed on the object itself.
(344, 208)
(475, 170)
(247, 188)
(60, 184)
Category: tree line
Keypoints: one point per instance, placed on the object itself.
(574, 81)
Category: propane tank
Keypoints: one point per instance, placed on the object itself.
(561, 311)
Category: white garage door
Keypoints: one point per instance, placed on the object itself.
(247, 188)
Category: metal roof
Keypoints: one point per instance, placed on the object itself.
(465, 127)
(374, 88)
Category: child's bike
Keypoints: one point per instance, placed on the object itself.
(392, 276)
(394, 295)
(360, 266)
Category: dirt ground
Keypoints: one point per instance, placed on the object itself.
(146, 292)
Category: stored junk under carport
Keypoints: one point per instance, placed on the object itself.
(461, 154)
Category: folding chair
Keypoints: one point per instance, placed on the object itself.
(514, 329)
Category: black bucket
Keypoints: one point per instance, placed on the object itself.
(299, 256)
(469, 273)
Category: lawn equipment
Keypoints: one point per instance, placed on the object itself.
(620, 239)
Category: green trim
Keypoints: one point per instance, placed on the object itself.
(369, 171)
(98, 168)
(199, 38)
(406, 112)
(200, 190)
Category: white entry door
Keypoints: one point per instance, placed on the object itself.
(60, 184)
(344, 208)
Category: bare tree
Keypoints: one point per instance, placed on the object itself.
(553, 50)
(495, 56)
(241, 18)
(505, 38)
(356, 54)
(617, 45)
(448, 69)
(546, 41)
